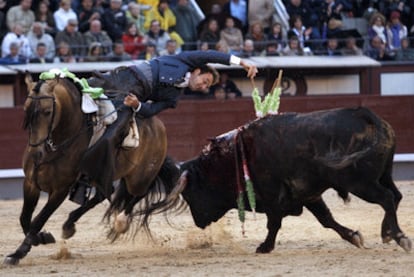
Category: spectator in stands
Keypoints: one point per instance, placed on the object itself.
(299, 30)
(332, 47)
(44, 15)
(211, 33)
(351, 48)
(405, 53)
(73, 38)
(95, 53)
(257, 35)
(222, 46)
(215, 13)
(276, 35)
(37, 35)
(64, 54)
(272, 49)
(149, 52)
(114, 20)
(229, 87)
(13, 56)
(22, 15)
(118, 53)
(203, 46)
(157, 36)
(3, 27)
(96, 34)
(40, 54)
(396, 30)
(307, 12)
(170, 48)
(232, 36)
(86, 14)
(238, 10)
(167, 20)
(293, 48)
(134, 41)
(63, 15)
(378, 51)
(261, 11)
(330, 16)
(134, 14)
(248, 49)
(186, 26)
(376, 27)
(16, 36)
(218, 93)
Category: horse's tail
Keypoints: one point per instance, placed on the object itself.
(166, 185)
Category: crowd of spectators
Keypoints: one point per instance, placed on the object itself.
(47, 31)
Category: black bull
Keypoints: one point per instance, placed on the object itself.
(293, 158)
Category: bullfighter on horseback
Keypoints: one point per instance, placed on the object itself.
(158, 85)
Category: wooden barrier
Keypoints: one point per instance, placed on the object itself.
(194, 121)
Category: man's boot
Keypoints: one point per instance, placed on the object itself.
(80, 191)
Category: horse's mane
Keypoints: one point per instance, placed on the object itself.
(32, 111)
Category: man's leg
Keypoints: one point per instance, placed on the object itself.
(98, 162)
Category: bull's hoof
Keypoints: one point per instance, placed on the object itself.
(11, 261)
(406, 244)
(357, 239)
(68, 231)
(46, 238)
(264, 249)
(386, 239)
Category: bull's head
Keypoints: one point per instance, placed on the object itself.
(210, 189)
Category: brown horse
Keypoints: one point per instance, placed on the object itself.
(59, 135)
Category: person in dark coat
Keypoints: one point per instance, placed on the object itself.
(158, 84)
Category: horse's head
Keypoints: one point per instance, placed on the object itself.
(44, 108)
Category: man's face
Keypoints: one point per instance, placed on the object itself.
(200, 82)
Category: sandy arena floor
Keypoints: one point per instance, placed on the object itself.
(303, 246)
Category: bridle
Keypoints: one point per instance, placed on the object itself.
(48, 139)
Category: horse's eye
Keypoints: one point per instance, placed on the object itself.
(47, 113)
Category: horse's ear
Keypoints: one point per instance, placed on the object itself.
(28, 80)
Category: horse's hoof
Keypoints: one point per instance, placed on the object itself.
(357, 239)
(10, 260)
(46, 238)
(406, 244)
(121, 224)
(68, 232)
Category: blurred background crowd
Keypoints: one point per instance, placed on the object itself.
(52, 31)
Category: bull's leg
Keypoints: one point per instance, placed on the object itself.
(68, 229)
(375, 193)
(386, 181)
(32, 236)
(274, 222)
(324, 216)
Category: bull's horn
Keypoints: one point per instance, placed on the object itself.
(179, 188)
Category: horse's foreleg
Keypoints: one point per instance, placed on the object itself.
(30, 198)
(33, 237)
(68, 229)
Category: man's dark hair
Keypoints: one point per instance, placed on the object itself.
(212, 70)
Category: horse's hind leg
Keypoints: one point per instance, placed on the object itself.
(321, 212)
(32, 236)
(68, 229)
(374, 192)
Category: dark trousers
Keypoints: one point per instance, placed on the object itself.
(98, 162)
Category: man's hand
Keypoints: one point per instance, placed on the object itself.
(251, 69)
(131, 101)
